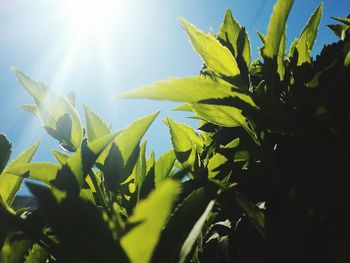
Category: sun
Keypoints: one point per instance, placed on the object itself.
(90, 18)
(86, 28)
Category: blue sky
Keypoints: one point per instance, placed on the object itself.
(144, 43)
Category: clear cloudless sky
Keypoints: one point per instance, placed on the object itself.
(143, 42)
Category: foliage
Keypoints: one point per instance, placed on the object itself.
(263, 178)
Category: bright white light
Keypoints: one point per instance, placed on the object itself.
(86, 29)
(90, 17)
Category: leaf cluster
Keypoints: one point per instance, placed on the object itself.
(264, 176)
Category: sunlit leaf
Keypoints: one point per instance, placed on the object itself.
(225, 116)
(118, 160)
(214, 164)
(195, 232)
(183, 107)
(71, 175)
(95, 126)
(150, 217)
(345, 20)
(191, 90)
(14, 250)
(262, 37)
(216, 56)
(54, 110)
(141, 168)
(163, 166)
(229, 31)
(10, 184)
(276, 28)
(280, 57)
(36, 254)
(183, 227)
(31, 108)
(129, 138)
(60, 157)
(5, 151)
(184, 147)
(308, 36)
(41, 171)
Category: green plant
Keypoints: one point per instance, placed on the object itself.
(277, 128)
(259, 180)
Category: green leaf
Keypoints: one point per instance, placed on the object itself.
(148, 182)
(60, 157)
(225, 116)
(195, 232)
(130, 138)
(41, 171)
(183, 227)
(339, 30)
(196, 139)
(262, 37)
(80, 226)
(71, 175)
(5, 151)
(214, 164)
(192, 90)
(14, 250)
(183, 107)
(95, 126)
(229, 31)
(347, 61)
(254, 213)
(9, 183)
(149, 218)
(118, 160)
(30, 108)
(184, 147)
(276, 28)
(345, 20)
(87, 194)
(163, 166)
(217, 57)
(308, 36)
(56, 113)
(245, 47)
(141, 169)
(36, 255)
(280, 57)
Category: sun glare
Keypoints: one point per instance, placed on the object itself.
(86, 29)
(90, 17)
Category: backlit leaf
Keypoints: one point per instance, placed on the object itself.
(183, 227)
(191, 90)
(5, 151)
(308, 36)
(225, 116)
(52, 109)
(71, 175)
(216, 56)
(163, 166)
(60, 157)
(229, 31)
(276, 28)
(184, 147)
(129, 138)
(150, 217)
(42, 171)
(95, 126)
(10, 184)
